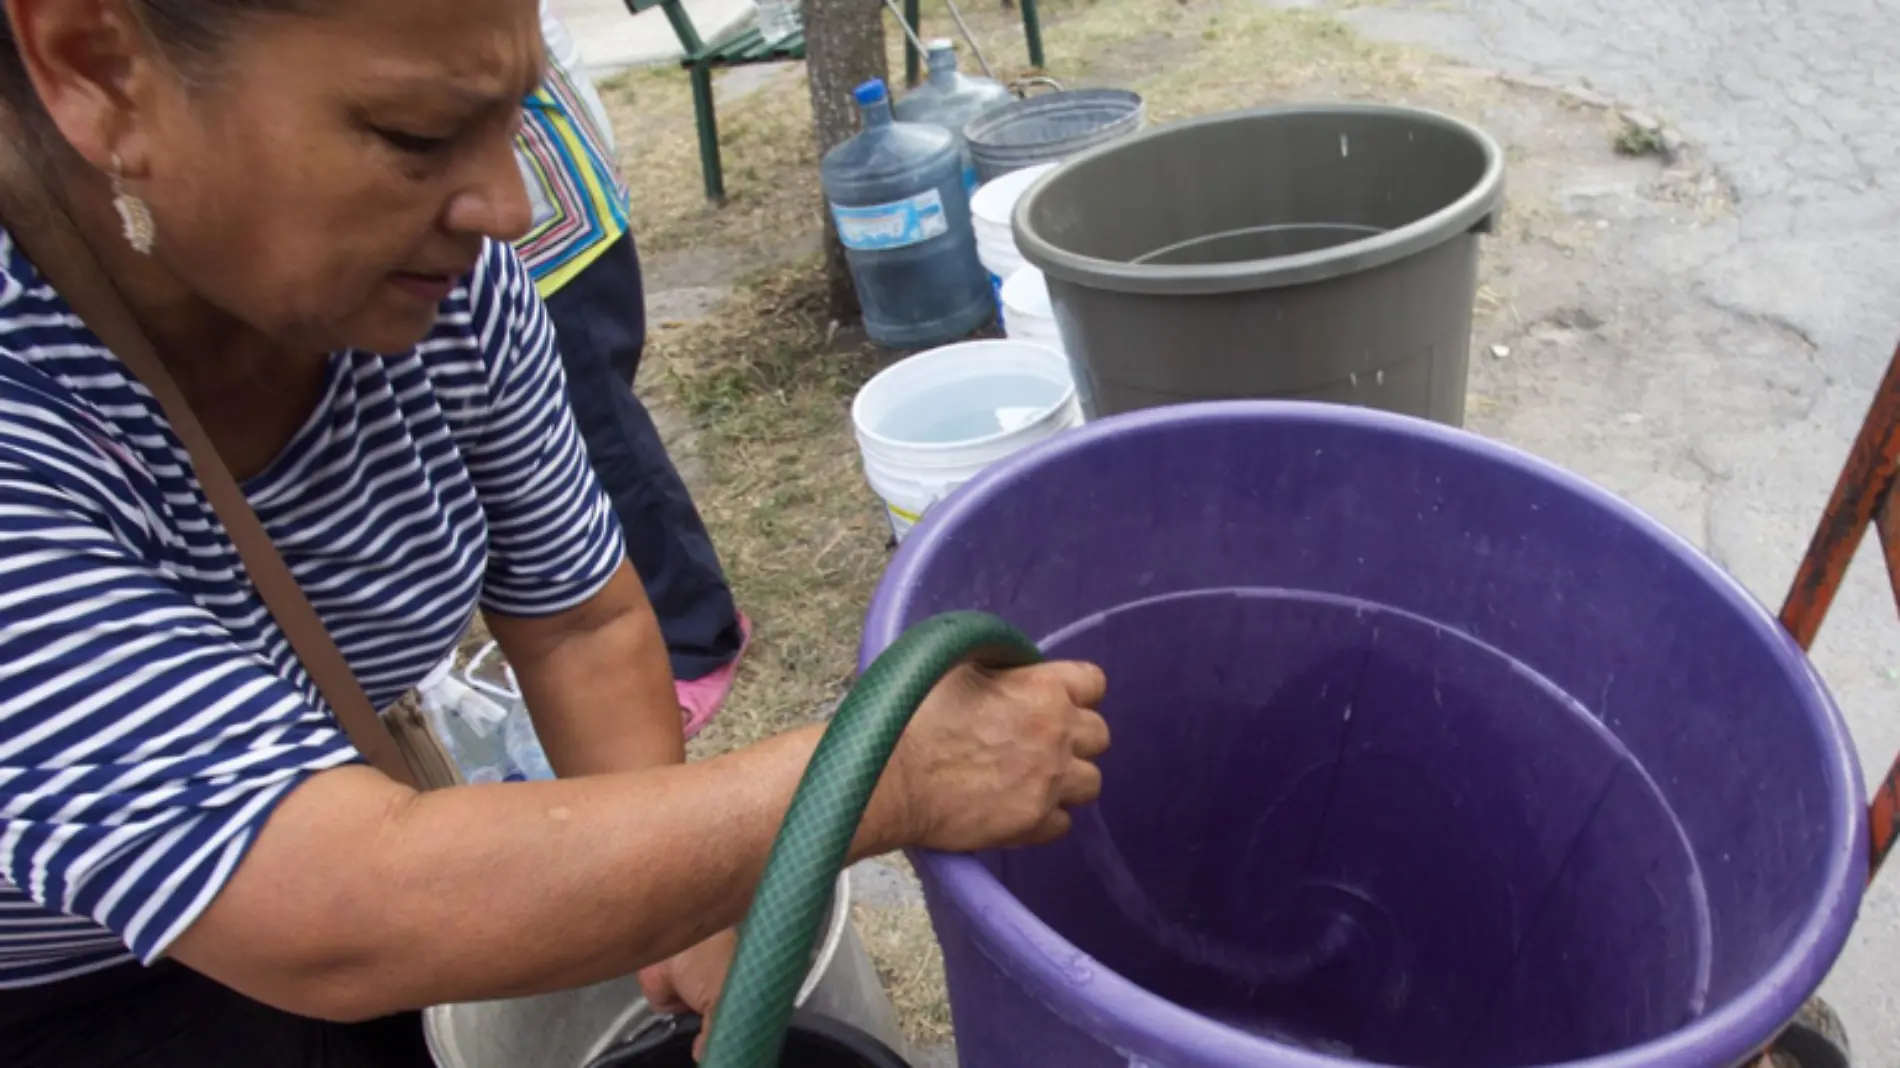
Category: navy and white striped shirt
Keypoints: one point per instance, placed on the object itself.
(151, 713)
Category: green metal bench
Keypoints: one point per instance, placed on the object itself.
(701, 59)
(749, 46)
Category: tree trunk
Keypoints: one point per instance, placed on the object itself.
(844, 46)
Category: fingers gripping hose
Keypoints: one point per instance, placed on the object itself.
(776, 943)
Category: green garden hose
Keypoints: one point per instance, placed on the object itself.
(775, 945)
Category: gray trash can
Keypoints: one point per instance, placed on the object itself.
(1320, 252)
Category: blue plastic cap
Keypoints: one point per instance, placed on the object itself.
(870, 92)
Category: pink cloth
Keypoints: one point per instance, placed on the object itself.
(701, 699)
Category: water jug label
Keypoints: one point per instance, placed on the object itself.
(969, 178)
(900, 224)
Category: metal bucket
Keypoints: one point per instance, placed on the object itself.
(573, 1028)
(1045, 129)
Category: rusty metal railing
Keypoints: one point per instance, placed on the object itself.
(1863, 497)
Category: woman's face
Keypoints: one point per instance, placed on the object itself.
(334, 174)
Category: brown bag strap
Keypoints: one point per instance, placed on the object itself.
(41, 224)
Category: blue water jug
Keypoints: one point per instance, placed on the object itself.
(951, 99)
(896, 192)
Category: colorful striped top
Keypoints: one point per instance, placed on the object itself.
(580, 199)
(152, 715)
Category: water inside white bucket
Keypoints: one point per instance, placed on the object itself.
(931, 422)
(971, 409)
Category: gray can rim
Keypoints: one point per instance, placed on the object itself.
(1472, 211)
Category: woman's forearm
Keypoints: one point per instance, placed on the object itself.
(597, 682)
(362, 898)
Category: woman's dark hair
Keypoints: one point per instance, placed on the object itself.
(191, 33)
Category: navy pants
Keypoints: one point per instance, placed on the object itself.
(600, 325)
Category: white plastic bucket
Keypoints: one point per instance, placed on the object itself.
(1030, 316)
(992, 210)
(930, 423)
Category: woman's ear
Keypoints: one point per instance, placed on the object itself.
(91, 65)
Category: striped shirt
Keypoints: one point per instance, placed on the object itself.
(151, 713)
(567, 160)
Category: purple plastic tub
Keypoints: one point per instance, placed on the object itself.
(1426, 753)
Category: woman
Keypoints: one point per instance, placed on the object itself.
(306, 205)
(582, 257)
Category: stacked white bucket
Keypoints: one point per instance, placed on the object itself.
(990, 212)
(1022, 298)
(1027, 312)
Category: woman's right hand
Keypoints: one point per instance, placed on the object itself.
(997, 758)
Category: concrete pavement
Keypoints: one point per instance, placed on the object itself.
(611, 38)
(1743, 352)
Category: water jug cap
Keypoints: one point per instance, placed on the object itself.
(870, 92)
(941, 44)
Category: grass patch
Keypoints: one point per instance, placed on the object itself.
(799, 532)
(910, 964)
(767, 151)
(1184, 58)
(770, 159)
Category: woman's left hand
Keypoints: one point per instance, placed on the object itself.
(691, 981)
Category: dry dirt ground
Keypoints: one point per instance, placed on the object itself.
(752, 382)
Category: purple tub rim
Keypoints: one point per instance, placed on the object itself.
(1142, 1025)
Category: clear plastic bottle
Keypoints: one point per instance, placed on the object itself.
(778, 19)
(896, 192)
(524, 746)
(952, 100)
(469, 725)
(526, 758)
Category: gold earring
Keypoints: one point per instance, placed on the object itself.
(134, 217)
